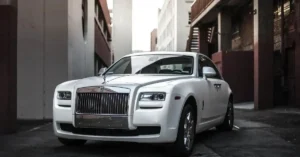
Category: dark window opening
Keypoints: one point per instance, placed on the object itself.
(190, 18)
(84, 18)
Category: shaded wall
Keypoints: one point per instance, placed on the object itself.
(81, 52)
(101, 47)
(8, 59)
(51, 50)
(243, 29)
(42, 55)
(237, 69)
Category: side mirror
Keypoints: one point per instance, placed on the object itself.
(102, 70)
(209, 72)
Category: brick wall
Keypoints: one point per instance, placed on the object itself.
(243, 40)
(102, 46)
(104, 8)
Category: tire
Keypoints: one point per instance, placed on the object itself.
(69, 142)
(180, 148)
(228, 122)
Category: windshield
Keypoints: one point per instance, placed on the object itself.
(153, 64)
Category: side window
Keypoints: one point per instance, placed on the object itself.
(205, 62)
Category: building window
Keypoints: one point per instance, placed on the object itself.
(84, 18)
(96, 9)
(190, 18)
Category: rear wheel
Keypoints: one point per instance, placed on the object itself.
(227, 124)
(184, 144)
(70, 142)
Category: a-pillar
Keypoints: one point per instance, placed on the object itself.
(224, 31)
(297, 52)
(263, 53)
(203, 44)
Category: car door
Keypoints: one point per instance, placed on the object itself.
(216, 85)
(206, 91)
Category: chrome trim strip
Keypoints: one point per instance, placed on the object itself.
(103, 89)
(96, 89)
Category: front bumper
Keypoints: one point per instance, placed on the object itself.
(165, 136)
(145, 125)
(150, 127)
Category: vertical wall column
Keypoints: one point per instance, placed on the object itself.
(297, 52)
(263, 53)
(8, 63)
(203, 44)
(224, 31)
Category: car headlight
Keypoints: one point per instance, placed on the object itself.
(64, 95)
(155, 96)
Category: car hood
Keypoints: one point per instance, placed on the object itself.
(122, 80)
(129, 79)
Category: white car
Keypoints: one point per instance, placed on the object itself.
(151, 97)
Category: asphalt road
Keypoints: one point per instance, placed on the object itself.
(250, 138)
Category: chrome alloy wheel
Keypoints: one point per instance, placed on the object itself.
(189, 131)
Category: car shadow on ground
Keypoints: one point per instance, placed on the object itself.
(124, 149)
(116, 149)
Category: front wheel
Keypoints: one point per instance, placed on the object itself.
(70, 142)
(183, 146)
(227, 124)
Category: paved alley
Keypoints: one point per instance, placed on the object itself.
(259, 133)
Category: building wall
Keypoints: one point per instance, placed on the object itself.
(102, 48)
(166, 26)
(183, 27)
(9, 2)
(153, 40)
(243, 33)
(55, 48)
(173, 27)
(30, 59)
(8, 59)
(122, 28)
(243, 29)
(51, 50)
(229, 65)
(102, 35)
(81, 51)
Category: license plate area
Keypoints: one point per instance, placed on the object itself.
(101, 121)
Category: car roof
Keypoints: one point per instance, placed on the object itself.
(163, 52)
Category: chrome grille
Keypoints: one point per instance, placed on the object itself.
(102, 103)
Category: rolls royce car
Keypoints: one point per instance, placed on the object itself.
(150, 97)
